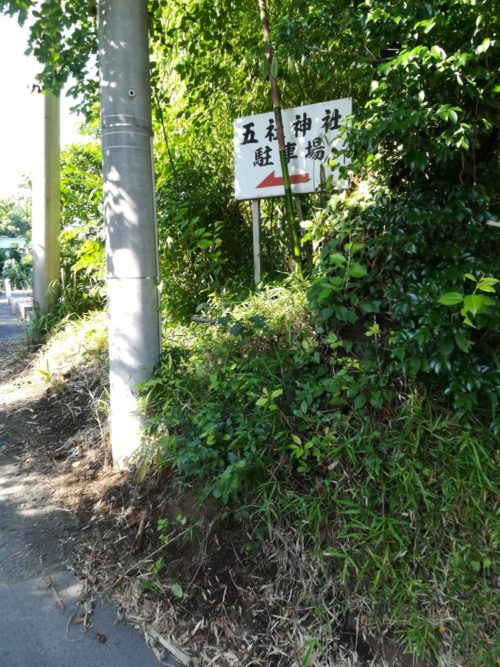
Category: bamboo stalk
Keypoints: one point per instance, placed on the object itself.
(293, 226)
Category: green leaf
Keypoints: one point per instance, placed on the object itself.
(342, 313)
(325, 292)
(467, 320)
(357, 270)
(374, 330)
(475, 303)
(447, 112)
(484, 287)
(367, 307)
(360, 402)
(484, 46)
(490, 280)
(333, 553)
(354, 247)
(258, 320)
(338, 259)
(462, 342)
(177, 590)
(451, 298)
(237, 329)
(143, 469)
(486, 284)
(438, 52)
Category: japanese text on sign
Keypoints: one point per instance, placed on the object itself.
(312, 140)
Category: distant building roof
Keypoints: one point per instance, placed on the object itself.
(7, 242)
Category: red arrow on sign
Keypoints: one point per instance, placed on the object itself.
(271, 180)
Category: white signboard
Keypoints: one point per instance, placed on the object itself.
(311, 137)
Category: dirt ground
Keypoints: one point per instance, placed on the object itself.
(39, 545)
(196, 584)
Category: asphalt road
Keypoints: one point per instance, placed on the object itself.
(10, 326)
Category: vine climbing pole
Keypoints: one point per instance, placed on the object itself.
(129, 206)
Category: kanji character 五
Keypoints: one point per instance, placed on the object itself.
(249, 134)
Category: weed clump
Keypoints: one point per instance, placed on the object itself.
(395, 504)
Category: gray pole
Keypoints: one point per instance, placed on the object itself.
(46, 205)
(257, 271)
(129, 209)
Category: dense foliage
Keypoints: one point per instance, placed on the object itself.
(329, 422)
(15, 215)
(361, 406)
(15, 222)
(16, 268)
(82, 227)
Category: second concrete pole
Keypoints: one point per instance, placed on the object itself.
(46, 204)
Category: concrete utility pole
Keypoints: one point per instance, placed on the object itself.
(129, 204)
(46, 205)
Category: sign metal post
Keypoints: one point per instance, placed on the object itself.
(257, 268)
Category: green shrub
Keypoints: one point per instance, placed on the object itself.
(413, 300)
(261, 409)
(413, 525)
(18, 273)
(406, 248)
(82, 236)
(236, 374)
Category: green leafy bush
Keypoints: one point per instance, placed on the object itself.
(15, 214)
(17, 272)
(82, 235)
(432, 300)
(196, 220)
(236, 375)
(422, 187)
(264, 410)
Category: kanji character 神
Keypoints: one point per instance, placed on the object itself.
(302, 125)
